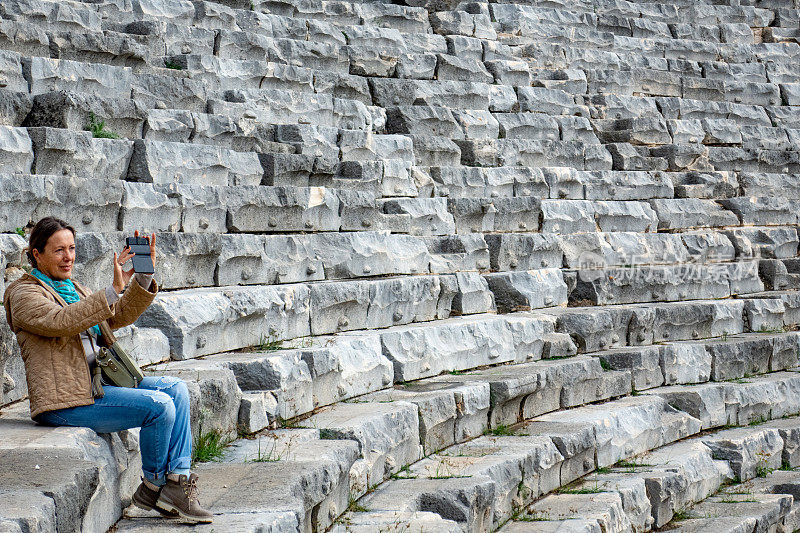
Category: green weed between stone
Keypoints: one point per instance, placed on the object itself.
(98, 128)
(210, 446)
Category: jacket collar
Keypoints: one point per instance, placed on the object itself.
(78, 287)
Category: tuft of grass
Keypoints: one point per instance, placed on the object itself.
(680, 515)
(457, 372)
(500, 431)
(535, 516)
(20, 231)
(603, 470)
(758, 421)
(604, 364)
(785, 465)
(589, 490)
(355, 507)
(404, 473)
(737, 501)
(168, 63)
(268, 344)
(98, 128)
(209, 446)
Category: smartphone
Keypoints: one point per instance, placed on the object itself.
(142, 262)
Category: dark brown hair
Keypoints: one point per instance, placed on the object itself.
(41, 233)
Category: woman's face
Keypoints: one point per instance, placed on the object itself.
(58, 257)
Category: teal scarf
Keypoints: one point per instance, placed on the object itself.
(66, 289)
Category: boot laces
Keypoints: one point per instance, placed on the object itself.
(190, 489)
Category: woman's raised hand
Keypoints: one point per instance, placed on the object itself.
(122, 277)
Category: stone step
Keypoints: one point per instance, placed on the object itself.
(289, 483)
(644, 283)
(738, 402)
(712, 360)
(486, 480)
(63, 478)
(244, 259)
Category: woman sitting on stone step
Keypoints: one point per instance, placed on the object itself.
(56, 324)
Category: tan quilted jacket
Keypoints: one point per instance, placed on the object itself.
(48, 334)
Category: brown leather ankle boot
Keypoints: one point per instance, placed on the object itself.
(181, 497)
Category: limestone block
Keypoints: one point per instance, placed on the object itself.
(749, 451)
(422, 120)
(345, 367)
(738, 357)
(14, 107)
(762, 211)
(454, 344)
(343, 306)
(616, 185)
(74, 111)
(139, 203)
(477, 124)
(361, 146)
(420, 66)
(372, 521)
(253, 412)
(688, 320)
(527, 126)
(65, 152)
(764, 315)
(437, 414)
(790, 434)
(387, 434)
(456, 68)
(681, 475)
(258, 209)
(785, 352)
(16, 155)
(641, 361)
(549, 101)
(284, 373)
(47, 75)
(604, 509)
(473, 294)
(453, 94)
(201, 208)
(167, 162)
(204, 321)
(512, 251)
(685, 362)
(690, 212)
(214, 396)
(454, 253)
(468, 501)
(428, 216)
(527, 290)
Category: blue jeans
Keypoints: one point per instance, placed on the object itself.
(160, 406)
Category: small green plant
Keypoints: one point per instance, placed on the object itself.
(587, 490)
(252, 6)
(404, 473)
(680, 515)
(631, 465)
(785, 465)
(604, 364)
(500, 431)
(766, 329)
(20, 231)
(355, 507)
(168, 63)
(271, 456)
(98, 128)
(762, 465)
(268, 344)
(209, 446)
(456, 372)
(758, 421)
(603, 470)
(726, 500)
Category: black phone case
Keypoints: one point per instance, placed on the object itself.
(142, 262)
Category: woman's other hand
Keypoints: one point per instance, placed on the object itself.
(122, 277)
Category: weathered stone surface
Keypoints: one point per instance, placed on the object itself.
(167, 162)
(604, 509)
(467, 501)
(77, 111)
(387, 435)
(635, 425)
(641, 361)
(522, 291)
(64, 152)
(205, 321)
(17, 150)
(260, 209)
(750, 452)
(29, 198)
